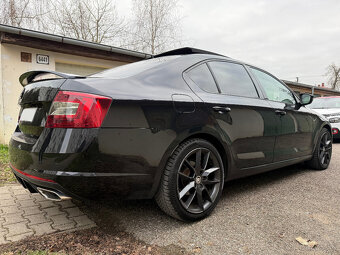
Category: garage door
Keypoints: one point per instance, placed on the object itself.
(77, 69)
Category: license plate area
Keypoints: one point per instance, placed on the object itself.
(27, 114)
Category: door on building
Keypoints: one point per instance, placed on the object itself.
(77, 69)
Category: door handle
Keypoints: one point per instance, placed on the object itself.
(280, 112)
(221, 109)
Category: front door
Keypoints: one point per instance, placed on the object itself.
(295, 135)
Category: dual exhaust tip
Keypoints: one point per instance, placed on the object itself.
(53, 195)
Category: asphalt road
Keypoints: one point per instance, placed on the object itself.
(261, 214)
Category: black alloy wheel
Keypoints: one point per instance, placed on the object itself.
(192, 181)
(323, 151)
(198, 180)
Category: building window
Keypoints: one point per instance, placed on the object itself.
(26, 57)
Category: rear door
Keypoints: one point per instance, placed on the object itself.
(295, 136)
(247, 121)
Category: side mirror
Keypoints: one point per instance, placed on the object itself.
(306, 99)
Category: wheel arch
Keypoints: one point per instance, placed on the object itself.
(328, 127)
(218, 145)
(325, 125)
(213, 139)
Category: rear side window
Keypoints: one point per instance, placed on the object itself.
(233, 79)
(201, 75)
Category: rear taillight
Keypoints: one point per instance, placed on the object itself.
(335, 131)
(77, 110)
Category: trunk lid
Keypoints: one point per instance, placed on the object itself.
(35, 101)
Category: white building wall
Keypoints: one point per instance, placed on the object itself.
(2, 129)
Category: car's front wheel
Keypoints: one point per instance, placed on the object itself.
(323, 151)
(192, 181)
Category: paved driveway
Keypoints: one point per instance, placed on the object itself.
(262, 214)
(23, 214)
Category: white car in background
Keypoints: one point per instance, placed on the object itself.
(330, 108)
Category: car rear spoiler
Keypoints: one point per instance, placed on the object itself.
(32, 76)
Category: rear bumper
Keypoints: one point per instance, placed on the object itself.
(89, 164)
(43, 186)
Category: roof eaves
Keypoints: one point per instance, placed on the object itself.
(310, 86)
(72, 41)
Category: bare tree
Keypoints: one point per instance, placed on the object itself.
(24, 13)
(155, 25)
(95, 21)
(333, 73)
(17, 13)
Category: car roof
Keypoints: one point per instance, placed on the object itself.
(200, 55)
(181, 59)
(186, 51)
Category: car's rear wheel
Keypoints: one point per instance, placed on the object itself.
(323, 151)
(192, 181)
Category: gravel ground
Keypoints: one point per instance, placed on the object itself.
(85, 242)
(261, 214)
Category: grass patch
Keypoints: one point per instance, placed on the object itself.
(6, 175)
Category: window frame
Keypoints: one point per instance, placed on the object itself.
(297, 100)
(235, 63)
(258, 88)
(187, 71)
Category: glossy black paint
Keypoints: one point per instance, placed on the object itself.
(151, 114)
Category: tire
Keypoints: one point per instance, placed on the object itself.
(189, 191)
(323, 151)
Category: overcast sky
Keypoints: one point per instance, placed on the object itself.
(285, 37)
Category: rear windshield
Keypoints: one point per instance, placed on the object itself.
(133, 69)
(325, 103)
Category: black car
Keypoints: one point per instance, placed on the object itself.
(174, 127)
